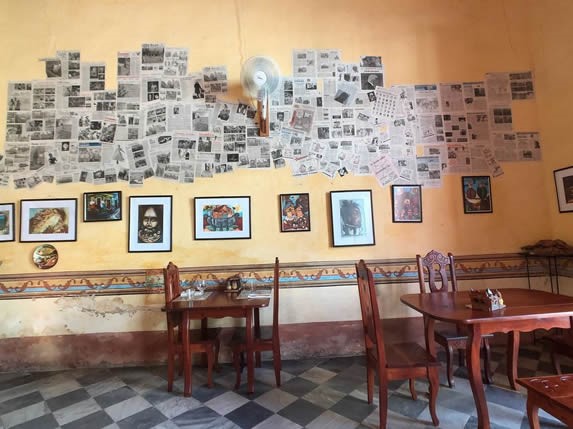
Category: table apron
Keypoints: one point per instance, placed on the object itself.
(525, 325)
(216, 314)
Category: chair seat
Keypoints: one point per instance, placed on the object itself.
(405, 355)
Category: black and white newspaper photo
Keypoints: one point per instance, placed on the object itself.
(175, 62)
(501, 118)
(498, 90)
(384, 170)
(70, 63)
(521, 85)
(304, 63)
(528, 146)
(451, 97)
(152, 58)
(427, 99)
(327, 60)
(128, 64)
(475, 98)
(429, 171)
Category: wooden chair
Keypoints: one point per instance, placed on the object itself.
(272, 343)
(560, 345)
(554, 394)
(391, 362)
(450, 337)
(174, 326)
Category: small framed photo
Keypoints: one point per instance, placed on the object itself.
(150, 219)
(564, 188)
(48, 220)
(222, 218)
(7, 222)
(102, 206)
(406, 203)
(352, 218)
(476, 191)
(295, 212)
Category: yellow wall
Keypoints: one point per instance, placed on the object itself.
(419, 41)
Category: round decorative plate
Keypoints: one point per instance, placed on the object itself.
(45, 256)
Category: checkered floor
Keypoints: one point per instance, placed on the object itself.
(320, 393)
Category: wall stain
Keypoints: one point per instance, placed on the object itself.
(102, 306)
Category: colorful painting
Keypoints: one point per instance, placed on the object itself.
(222, 218)
(295, 212)
(48, 220)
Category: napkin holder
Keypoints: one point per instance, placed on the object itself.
(486, 300)
(233, 284)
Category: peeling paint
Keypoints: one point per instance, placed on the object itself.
(101, 306)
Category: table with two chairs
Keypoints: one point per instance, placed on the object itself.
(218, 304)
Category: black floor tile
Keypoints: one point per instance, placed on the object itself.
(96, 420)
(298, 386)
(45, 422)
(145, 419)
(115, 396)
(353, 408)
(20, 402)
(301, 412)
(249, 415)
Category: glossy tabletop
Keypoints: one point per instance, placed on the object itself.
(525, 311)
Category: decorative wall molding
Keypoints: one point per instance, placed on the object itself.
(293, 274)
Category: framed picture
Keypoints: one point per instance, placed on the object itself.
(352, 218)
(476, 191)
(221, 218)
(7, 222)
(150, 220)
(564, 187)
(295, 212)
(406, 203)
(102, 206)
(48, 220)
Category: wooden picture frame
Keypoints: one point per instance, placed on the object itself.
(7, 222)
(476, 194)
(564, 188)
(48, 220)
(150, 223)
(294, 212)
(102, 206)
(352, 218)
(406, 203)
(222, 218)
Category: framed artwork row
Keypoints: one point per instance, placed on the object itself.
(229, 217)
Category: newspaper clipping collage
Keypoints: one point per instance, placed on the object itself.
(329, 117)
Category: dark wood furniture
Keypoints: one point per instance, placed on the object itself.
(525, 311)
(219, 304)
(554, 394)
(262, 344)
(559, 345)
(176, 338)
(434, 269)
(395, 362)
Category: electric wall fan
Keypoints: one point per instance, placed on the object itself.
(260, 77)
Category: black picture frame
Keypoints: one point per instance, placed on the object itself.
(476, 194)
(406, 203)
(105, 206)
(352, 218)
(7, 222)
(150, 223)
(564, 188)
(294, 212)
(48, 220)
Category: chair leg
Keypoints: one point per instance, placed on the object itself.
(277, 363)
(434, 386)
(170, 369)
(210, 363)
(487, 361)
(238, 368)
(556, 363)
(450, 366)
(413, 389)
(383, 403)
(370, 372)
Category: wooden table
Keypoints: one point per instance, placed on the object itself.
(219, 304)
(553, 393)
(525, 311)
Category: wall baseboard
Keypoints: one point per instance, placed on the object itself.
(298, 341)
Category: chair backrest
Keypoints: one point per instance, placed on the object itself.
(373, 334)
(276, 279)
(172, 284)
(438, 267)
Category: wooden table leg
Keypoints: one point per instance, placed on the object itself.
(186, 354)
(258, 336)
(513, 354)
(474, 372)
(249, 351)
(204, 336)
(429, 335)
